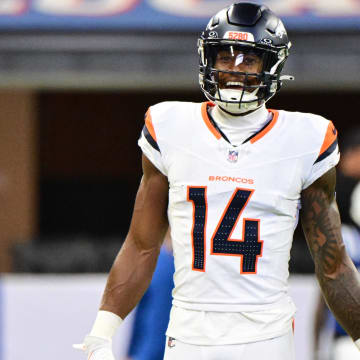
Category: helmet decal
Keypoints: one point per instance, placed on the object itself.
(213, 35)
(266, 41)
(236, 35)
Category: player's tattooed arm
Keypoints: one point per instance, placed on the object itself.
(133, 268)
(337, 275)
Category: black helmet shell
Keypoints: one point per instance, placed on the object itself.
(258, 20)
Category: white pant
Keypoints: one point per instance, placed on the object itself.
(279, 348)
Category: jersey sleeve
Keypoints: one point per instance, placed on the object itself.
(327, 157)
(149, 144)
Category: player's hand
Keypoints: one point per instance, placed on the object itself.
(96, 348)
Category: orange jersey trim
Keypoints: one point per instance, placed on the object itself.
(330, 137)
(268, 128)
(217, 134)
(205, 117)
(149, 125)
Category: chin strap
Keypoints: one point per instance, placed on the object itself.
(229, 101)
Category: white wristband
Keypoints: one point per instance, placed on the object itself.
(357, 343)
(105, 325)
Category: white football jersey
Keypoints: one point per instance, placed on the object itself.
(233, 209)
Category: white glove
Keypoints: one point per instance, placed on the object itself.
(96, 348)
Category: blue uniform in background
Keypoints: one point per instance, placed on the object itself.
(152, 314)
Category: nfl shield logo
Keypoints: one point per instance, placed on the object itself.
(233, 156)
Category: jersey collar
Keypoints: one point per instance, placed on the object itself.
(253, 138)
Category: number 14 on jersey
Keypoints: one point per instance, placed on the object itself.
(249, 248)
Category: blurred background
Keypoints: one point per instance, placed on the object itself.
(76, 77)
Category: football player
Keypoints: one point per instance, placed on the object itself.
(231, 177)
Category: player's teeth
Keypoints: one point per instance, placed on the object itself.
(233, 83)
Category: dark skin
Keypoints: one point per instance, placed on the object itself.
(319, 323)
(237, 61)
(336, 273)
(132, 270)
(134, 266)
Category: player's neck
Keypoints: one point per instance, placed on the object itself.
(257, 117)
(238, 128)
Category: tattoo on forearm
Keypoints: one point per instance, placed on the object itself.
(320, 224)
(337, 276)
